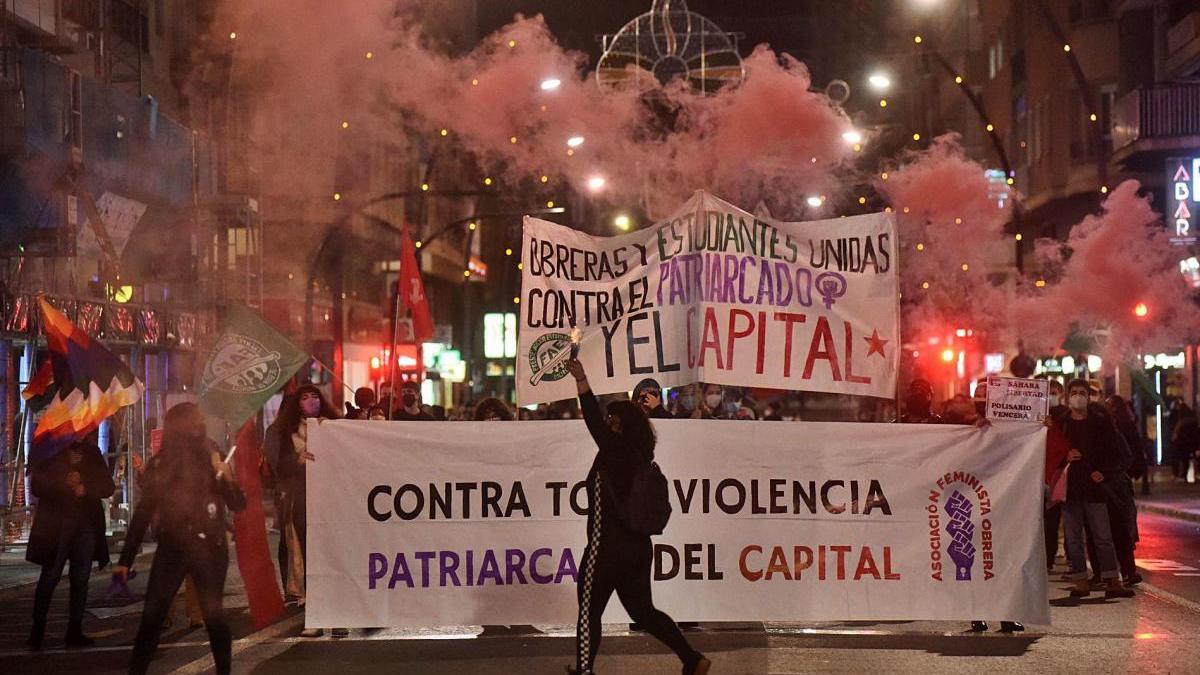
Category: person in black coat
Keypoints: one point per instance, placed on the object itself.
(68, 525)
(187, 488)
(648, 395)
(618, 559)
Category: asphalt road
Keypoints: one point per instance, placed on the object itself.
(1168, 554)
(1153, 633)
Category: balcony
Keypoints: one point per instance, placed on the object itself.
(1183, 46)
(1156, 119)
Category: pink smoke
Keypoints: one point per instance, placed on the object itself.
(948, 217)
(304, 62)
(1112, 262)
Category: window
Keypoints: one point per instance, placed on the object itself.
(75, 112)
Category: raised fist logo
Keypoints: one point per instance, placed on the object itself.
(962, 532)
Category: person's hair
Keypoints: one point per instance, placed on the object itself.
(636, 428)
(184, 465)
(492, 405)
(438, 412)
(1078, 382)
(364, 397)
(289, 411)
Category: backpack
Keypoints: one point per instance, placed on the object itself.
(647, 508)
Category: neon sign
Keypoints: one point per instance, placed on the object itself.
(1183, 199)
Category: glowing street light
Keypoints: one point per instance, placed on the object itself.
(551, 83)
(574, 141)
(815, 201)
(596, 183)
(622, 222)
(1141, 310)
(853, 137)
(879, 81)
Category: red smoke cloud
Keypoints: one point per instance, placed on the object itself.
(303, 61)
(1110, 263)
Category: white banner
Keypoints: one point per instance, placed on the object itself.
(1014, 399)
(419, 524)
(712, 294)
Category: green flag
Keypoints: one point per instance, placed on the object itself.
(249, 363)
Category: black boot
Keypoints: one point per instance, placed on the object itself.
(76, 639)
(1011, 627)
(36, 633)
(979, 626)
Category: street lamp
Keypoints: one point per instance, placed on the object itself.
(622, 222)
(853, 137)
(596, 183)
(574, 141)
(551, 83)
(879, 82)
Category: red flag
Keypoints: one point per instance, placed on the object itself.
(412, 291)
(250, 533)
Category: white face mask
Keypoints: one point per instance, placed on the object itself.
(1078, 402)
(713, 400)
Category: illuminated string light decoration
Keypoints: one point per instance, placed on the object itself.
(475, 82)
(668, 43)
(550, 204)
(1141, 310)
(471, 226)
(424, 187)
(862, 200)
(545, 178)
(417, 243)
(883, 103)
(445, 132)
(1103, 189)
(508, 251)
(233, 36)
(1040, 283)
(345, 125)
(516, 300)
(991, 128)
(1019, 236)
(512, 139)
(337, 196)
(916, 137)
(1066, 48)
(920, 247)
(884, 175)
(369, 55)
(958, 79)
(925, 285)
(966, 267)
(917, 39)
(512, 43)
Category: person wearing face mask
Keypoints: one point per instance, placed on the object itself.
(307, 403)
(648, 395)
(1098, 457)
(1057, 404)
(713, 401)
(410, 402)
(918, 404)
(616, 558)
(688, 404)
(186, 490)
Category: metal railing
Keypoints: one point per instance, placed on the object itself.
(1156, 111)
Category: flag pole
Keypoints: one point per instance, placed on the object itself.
(332, 374)
(395, 332)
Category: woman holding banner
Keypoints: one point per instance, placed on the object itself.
(617, 558)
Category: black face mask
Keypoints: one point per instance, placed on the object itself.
(409, 400)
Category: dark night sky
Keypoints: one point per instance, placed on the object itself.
(836, 38)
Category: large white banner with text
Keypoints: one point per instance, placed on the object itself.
(712, 294)
(419, 524)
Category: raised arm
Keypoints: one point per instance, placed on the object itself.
(592, 415)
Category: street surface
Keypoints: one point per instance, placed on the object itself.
(1153, 633)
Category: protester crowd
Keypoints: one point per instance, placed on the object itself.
(1094, 454)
